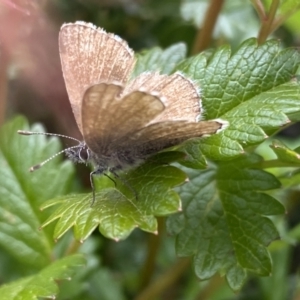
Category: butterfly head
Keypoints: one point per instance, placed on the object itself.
(80, 154)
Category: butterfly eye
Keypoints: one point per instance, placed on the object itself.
(84, 154)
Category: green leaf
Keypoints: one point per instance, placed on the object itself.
(252, 89)
(193, 158)
(285, 154)
(116, 211)
(158, 60)
(289, 6)
(22, 192)
(223, 224)
(44, 283)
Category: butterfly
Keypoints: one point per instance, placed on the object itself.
(122, 121)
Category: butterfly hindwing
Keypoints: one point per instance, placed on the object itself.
(179, 94)
(107, 118)
(159, 136)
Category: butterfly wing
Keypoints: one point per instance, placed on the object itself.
(159, 136)
(107, 118)
(177, 123)
(89, 55)
(179, 94)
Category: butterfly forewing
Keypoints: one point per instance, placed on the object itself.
(89, 55)
(107, 118)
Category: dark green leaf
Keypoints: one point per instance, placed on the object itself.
(22, 192)
(193, 156)
(223, 223)
(158, 60)
(252, 89)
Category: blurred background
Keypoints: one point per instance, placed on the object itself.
(31, 84)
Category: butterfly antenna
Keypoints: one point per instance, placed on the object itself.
(33, 168)
(25, 132)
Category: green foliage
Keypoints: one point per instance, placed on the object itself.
(223, 223)
(42, 284)
(285, 154)
(22, 193)
(244, 90)
(116, 214)
(158, 60)
(224, 196)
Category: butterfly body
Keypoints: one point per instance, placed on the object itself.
(114, 161)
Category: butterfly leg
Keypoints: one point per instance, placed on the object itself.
(98, 171)
(110, 179)
(92, 185)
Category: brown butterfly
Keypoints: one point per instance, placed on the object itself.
(123, 122)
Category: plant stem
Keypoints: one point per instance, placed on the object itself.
(153, 246)
(212, 286)
(204, 34)
(267, 23)
(73, 247)
(259, 7)
(165, 280)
